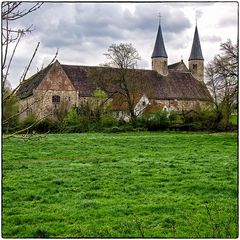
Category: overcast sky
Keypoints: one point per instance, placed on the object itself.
(84, 31)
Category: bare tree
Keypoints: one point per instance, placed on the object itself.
(222, 79)
(12, 11)
(120, 79)
(11, 37)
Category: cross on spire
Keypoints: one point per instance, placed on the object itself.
(159, 17)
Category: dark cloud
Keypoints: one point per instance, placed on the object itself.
(87, 21)
(84, 31)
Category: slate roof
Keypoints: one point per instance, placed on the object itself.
(79, 76)
(179, 66)
(196, 52)
(159, 47)
(176, 85)
(27, 86)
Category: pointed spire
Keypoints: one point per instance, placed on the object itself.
(159, 48)
(196, 52)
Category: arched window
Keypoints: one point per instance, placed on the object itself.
(55, 99)
(195, 66)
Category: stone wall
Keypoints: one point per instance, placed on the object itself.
(196, 67)
(41, 103)
(183, 105)
(160, 65)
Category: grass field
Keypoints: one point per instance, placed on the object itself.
(142, 184)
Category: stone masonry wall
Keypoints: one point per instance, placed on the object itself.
(160, 65)
(198, 72)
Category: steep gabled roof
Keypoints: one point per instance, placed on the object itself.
(196, 52)
(159, 47)
(27, 86)
(79, 76)
(179, 66)
(177, 84)
(181, 86)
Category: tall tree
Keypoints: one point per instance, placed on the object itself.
(119, 79)
(222, 79)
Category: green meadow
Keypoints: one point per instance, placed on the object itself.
(137, 184)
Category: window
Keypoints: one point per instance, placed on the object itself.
(55, 99)
(143, 103)
(195, 66)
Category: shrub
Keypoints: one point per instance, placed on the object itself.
(28, 123)
(108, 120)
(173, 116)
(156, 121)
(48, 125)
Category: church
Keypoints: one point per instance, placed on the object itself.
(169, 87)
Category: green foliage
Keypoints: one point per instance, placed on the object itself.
(234, 119)
(128, 185)
(99, 94)
(72, 117)
(28, 123)
(48, 125)
(10, 112)
(156, 121)
(108, 120)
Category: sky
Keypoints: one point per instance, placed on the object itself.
(83, 31)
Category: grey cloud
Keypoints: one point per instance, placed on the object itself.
(65, 24)
(211, 38)
(228, 21)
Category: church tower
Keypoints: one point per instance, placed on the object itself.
(159, 55)
(196, 61)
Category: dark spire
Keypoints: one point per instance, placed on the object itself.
(196, 53)
(159, 48)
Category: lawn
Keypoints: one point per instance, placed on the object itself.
(165, 184)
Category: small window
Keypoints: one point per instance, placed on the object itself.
(69, 99)
(55, 99)
(195, 66)
(144, 103)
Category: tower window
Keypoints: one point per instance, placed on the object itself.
(55, 99)
(195, 66)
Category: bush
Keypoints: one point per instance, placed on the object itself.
(27, 122)
(155, 121)
(201, 120)
(48, 125)
(108, 120)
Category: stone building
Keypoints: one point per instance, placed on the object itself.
(172, 87)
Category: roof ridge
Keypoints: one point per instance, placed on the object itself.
(105, 67)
